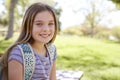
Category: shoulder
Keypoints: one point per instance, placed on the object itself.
(15, 54)
(15, 49)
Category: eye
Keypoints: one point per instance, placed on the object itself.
(51, 24)
(39, 24)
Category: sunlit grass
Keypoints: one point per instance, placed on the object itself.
(100, 60)
(4, 44)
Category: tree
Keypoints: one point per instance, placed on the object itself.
(91, 18)
(3, 17)
(58, 12)
(14, 12)
(11, 19)
(116, 32)
(94, 13)
(117, 2)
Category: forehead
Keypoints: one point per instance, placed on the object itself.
(44, 16)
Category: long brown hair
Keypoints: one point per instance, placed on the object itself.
(26, 30)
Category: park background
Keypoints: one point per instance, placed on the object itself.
(88, 38)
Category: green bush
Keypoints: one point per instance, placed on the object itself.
(103, 35)
(116, 32)
(102, 32)
(86, 30)
(75, 30)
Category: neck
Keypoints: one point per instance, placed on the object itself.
(39, 48)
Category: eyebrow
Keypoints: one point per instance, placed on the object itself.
(43, 21)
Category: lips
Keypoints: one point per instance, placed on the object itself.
(44, 35)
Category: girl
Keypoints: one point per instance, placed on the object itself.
(39, 28)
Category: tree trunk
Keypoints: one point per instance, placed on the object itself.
(11, 19)
(92, 32)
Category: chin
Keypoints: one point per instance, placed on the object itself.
(45, 42)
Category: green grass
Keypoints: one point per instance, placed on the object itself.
(99, 59)
(4, 45)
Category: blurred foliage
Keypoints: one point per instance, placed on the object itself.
(4, 21)
(100, 32)
(117, 2)
(116, 32)
(103, 35)
(4, 45)
(58, 13)
(74, 30)
(94, 15)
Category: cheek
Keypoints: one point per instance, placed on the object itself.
(35, 30)
(53, 29)
(52, 32)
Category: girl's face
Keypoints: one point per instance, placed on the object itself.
(43, 27)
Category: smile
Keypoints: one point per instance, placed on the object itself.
(44, 35)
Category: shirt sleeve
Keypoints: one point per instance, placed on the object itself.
(16, 54)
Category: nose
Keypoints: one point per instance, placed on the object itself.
(46, 28)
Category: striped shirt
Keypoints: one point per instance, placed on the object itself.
(42, 65)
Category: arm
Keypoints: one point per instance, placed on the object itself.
(15, 70)
(53, 72)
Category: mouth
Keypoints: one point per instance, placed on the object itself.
(44, 35)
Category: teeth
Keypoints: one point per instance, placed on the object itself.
(44, 35)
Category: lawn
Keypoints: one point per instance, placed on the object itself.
(99, 59)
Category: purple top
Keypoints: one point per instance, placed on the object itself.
(42, 65)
